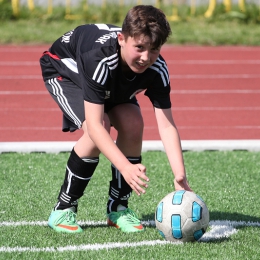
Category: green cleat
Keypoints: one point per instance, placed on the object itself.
(64, 221)
(125, 220)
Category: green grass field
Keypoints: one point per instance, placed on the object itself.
(227, 181)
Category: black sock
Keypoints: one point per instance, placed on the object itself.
(78, 174)
(119, 191)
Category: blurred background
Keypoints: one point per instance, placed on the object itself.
(200, 22)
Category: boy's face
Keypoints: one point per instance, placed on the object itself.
(137, 52)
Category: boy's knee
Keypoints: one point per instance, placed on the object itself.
(134, 127)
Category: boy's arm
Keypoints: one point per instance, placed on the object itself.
(171, 141)
(134, 174)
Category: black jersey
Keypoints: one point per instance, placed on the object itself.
(90, 57)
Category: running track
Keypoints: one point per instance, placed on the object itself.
(215, 95)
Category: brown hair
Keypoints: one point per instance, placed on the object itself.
(149, 21)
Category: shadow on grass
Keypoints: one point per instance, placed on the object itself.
(234, 216)
(222, 225)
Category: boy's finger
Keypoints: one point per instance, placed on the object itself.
(144, 176)
(136, 187)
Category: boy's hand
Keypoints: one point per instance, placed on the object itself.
(181, 183)
(135, 175)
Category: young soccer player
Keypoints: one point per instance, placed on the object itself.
(94, 73)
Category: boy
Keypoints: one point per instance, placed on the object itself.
(93, 73)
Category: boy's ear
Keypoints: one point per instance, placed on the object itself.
(121, 38)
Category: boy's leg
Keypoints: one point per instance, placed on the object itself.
(79, 171)
(83, 158)
(81, 165)
(78, 174)
(129, 125)
(119, 191)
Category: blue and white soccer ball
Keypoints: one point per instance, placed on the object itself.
(182, 216)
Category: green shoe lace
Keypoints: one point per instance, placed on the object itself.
(125, 220)
(64, 221)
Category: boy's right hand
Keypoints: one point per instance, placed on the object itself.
(135, 176)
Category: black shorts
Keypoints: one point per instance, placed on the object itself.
(69, 98)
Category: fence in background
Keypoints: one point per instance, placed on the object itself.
(175, 3)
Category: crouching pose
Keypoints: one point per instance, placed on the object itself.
(94, 73)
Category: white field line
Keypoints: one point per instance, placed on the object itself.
(187, 145)
(219, 229)
(146, 223)
(173, 92)
(85, 247)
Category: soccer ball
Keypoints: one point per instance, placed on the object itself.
(182, 216)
